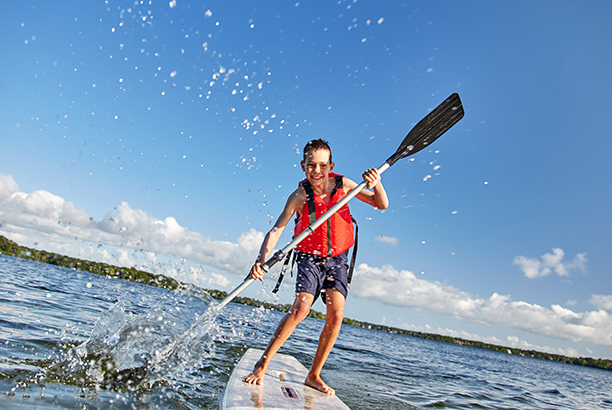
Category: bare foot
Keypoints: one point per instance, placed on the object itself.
(258, 373)
(317, 383)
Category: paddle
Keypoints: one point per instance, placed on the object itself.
(429, 129)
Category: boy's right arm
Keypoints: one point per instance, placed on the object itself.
(294, 204)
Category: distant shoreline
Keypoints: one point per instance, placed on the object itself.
(134, 275)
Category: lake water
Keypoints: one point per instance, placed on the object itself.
(74, 340)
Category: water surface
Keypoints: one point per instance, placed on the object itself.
(70, 339)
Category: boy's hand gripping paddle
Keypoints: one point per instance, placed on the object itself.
(423, 134)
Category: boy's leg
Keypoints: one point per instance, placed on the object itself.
(299, 310)
(333, 321)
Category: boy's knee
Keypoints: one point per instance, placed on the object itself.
(334, 317)
(301, 308)
(302, 313)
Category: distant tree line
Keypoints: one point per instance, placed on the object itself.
(134, 275)
(131, 274)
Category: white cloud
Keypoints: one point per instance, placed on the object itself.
(219, 280)
(197, 276)
(534, 268)
(44, 217)
(388, 240)
(124, 258)
(403, 288)
(602, 302)
(8, 187)
(531, 267)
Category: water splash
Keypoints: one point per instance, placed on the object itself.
(138, 342)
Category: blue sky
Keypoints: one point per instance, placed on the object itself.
(167, 135)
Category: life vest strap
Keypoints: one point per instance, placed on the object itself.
(354, 256)
(288, 258)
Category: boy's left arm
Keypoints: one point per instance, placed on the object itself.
(378, 196)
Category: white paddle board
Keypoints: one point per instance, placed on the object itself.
(283, 387)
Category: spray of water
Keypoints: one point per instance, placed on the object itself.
(138, 342)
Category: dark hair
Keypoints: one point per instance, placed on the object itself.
(317, 144)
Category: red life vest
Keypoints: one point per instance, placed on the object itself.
(338, 230)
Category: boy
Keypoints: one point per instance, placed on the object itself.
(321, 259)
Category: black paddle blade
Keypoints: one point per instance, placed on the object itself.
(430, 128)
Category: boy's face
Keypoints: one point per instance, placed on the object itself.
(316, 166)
